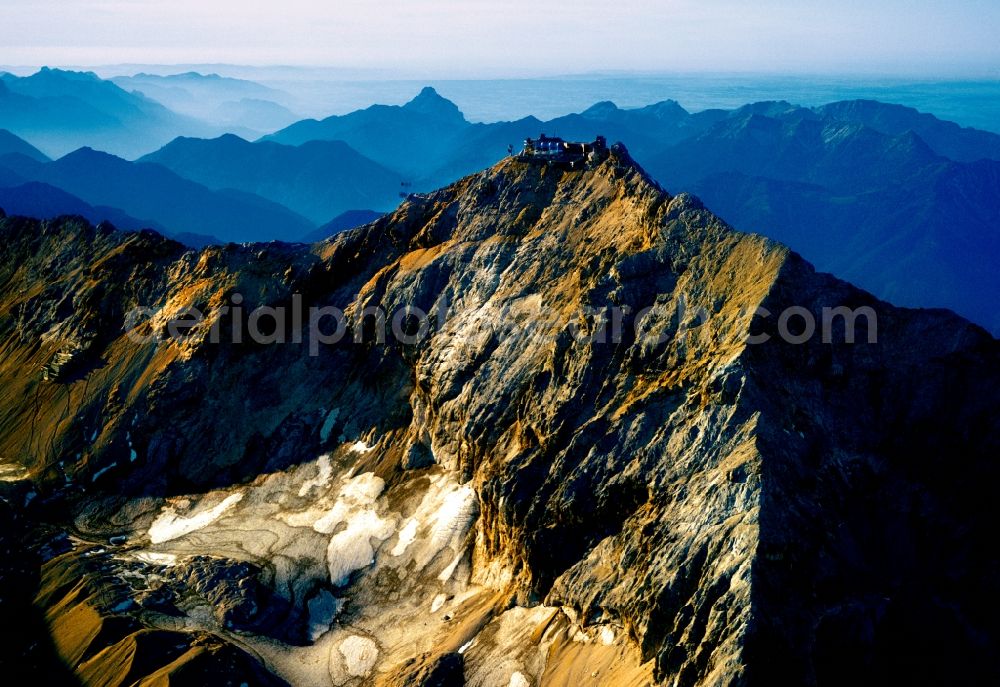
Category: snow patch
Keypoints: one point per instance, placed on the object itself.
(322, 478)
(358, 494)
(360, 447)
(607, 635)
(360, 655)
(351, 549)
(446, 513)
(168, 525)
(438, 602)
(155, 558)
(455, 516)
(517, 679)
(406, 537)
(363, 489)
(450, 570)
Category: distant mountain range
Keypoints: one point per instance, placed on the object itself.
(429, 140)
(37, 199)
(318, 179)
(148, 190)
(412, 138)
(13, 145)
(880, 206)
(60, 111)
(245, 107)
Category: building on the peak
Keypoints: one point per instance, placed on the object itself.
(556, 151)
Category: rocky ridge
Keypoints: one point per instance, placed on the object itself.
(509, 499)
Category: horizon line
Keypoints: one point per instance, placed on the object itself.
(353, 73)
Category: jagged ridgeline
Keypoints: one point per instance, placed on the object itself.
(512, 495)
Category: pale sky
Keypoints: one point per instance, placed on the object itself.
(516, 37)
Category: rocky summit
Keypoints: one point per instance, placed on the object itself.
(545, 426)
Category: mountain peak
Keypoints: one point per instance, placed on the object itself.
(88, 153)
(518, 196)
(604, 108)
(430, 102)
(666, 109)
(69, 74)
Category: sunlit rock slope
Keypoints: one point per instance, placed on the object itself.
(524, 493)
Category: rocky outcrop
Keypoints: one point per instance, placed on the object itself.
(440, 671)
(92, 633)
(579, 457)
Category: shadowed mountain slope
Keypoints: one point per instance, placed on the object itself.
(11, 144)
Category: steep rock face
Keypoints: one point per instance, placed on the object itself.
(740, 513)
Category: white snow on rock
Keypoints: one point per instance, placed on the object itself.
(358, 494)
(168, 525)
(351, 549)
(322, 478)
(438, 602)
(360, 655)
(360, 447)
(155, 558)
(449, 509)
(454, 517)
(363, 489)
(517, 679)
(450, 570)
(406, 537)
(437, 530)
(328, 521)
(607, 635)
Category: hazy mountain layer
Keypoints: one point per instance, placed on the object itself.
(13, 145)
(882, 210)
(318, 179)
(60, 111)
(242, 106)
(43, 201)
(149, 190)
